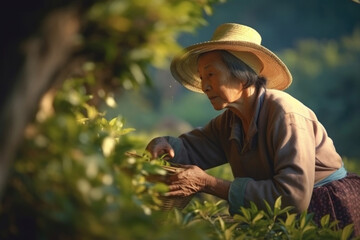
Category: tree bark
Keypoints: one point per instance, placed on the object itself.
(45, 59)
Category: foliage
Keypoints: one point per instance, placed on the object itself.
(123, 38)
(252, 223)
(68, 180)
(73, 180)
(352, 165)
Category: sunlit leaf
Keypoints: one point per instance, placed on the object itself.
(229, 233)
(208, 10)
(285, 210)
(221, 223)
(240, 218)
(347, 231)
(290, 220)
(277, 206)
(127, 130)
(160, 187)
(258, 216)
(325, 220)
(110, 101)
(108, 146)
(91, 111)
(137, 73)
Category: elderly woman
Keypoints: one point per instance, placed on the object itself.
(274, 144)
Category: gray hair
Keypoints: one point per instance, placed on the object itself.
(241, 71)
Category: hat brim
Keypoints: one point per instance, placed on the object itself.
(184, 66)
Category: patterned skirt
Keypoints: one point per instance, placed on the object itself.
(340, 199)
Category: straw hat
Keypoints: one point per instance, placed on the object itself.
(243, 42)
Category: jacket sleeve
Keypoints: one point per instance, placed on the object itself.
(202, 146)
(292, 144)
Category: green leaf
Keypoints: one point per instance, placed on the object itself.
(208, 10)
(308, 228)
(178, 216)
(278, 203)
(258, 216)
(333, 224)
(268, 209)
(113, 121)
(188, 217)
(285, 210)
(103, 121)
(230, 232)
(137, 73)
(108, 146)
(253, 207)
(161, 187)
(303, 220)
(347, 231)
(246, 213)
(91, 111)
(222, 223)
(240, 218)
(156, 200)
(325, 220)
(117, 122)
(127, 130)
(290, 220)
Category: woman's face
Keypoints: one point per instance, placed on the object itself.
(217, 82)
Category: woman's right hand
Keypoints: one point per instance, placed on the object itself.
(159, 146)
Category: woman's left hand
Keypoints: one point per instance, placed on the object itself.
(187, 182)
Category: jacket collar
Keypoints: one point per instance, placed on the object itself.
(237, 132)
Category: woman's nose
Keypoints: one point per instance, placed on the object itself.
(205, 86)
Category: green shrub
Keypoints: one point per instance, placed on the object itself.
(252, 223)
(68, 180)
(72, 180)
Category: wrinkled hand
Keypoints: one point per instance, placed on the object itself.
(187, 182)
(159, 146)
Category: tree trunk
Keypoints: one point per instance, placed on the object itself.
(45, 59)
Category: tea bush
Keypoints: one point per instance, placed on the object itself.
(67, 181)
(274, 223)
(72, 180)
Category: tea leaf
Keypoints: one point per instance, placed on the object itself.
(222, 223)
(347, 231)
(290, 220)
(253, 207)
(277, 204)
(333, 223)
(268, 208)
(286, 209)
(108, 146)
(230, 232)
(160, 187)
(258, 216)
(246, 214)
(325, 221)
(240, 219)
(127, 130)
